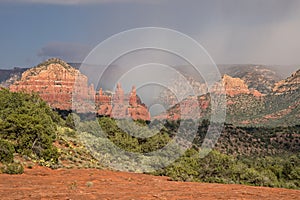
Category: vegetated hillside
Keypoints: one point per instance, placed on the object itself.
(30, 132)
(246, 155)
(262, 141)
(281, 107)
(258, 77)
(288, 85)
(247, 107)
(243, 155)
(27, 127)
(271, 110)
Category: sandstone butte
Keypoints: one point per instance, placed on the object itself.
(66, 88)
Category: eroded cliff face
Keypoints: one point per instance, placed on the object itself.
(65, 88)
(288, 85)
(237, 86)
(53, 80)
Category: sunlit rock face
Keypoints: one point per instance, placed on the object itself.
(65, 88)
(236, 86)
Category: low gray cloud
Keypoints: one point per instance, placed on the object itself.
(69, 52)
(255, 32)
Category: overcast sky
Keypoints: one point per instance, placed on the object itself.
(232, 31)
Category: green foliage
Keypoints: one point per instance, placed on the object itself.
(260, 167)
(71, 120)
(7, 151)
(246, 107)
(12, 168)
(28, 123)
(186, 168)
(133, 136)
(221, 168)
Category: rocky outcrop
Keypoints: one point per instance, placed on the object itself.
(236, 86)
(65, 88)
(120, 105)
(288, 85)
(259, 77)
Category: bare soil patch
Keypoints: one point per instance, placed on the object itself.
(44, 183)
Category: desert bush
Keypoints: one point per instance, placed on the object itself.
(221, 168)
(28, 122)
(7, 151)
(13, 168)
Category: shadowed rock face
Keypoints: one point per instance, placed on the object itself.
(65, 88)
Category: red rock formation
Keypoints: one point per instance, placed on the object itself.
(124, 106)
(133, 97)
(236, 86)
(65, 88)
(54, 81)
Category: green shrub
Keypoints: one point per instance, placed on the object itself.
(28, 122)
(221, 168)
(72, 120)
(7, 151)
(13, 168)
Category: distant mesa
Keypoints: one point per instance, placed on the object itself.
(65, 87)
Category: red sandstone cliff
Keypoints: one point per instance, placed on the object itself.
(236, 86)
(65, 88)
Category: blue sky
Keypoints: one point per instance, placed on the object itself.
(232, 31)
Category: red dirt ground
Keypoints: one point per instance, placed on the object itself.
(44, 183)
